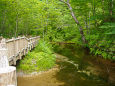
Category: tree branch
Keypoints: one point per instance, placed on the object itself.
(63, 1)
(77, 22)
(67, 1)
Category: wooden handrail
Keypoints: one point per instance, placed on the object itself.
(17, 47)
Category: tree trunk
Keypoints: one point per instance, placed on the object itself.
(3, 21)
(16, 27)
(111, 9)
(94, 12)
(77, 22)
(89, 21)
(86, 24)
(103, 7)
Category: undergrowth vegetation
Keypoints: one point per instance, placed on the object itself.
(90, 23)
(40, 59)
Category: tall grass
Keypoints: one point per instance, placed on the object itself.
(40, 59)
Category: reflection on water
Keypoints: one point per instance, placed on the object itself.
(74, 67)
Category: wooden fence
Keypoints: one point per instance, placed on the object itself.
(18, 47)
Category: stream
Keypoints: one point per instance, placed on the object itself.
(74, 67)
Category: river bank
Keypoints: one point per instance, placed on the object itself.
(74, 67)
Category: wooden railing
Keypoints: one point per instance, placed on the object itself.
(18, 47)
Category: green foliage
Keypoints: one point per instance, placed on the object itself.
(44, 46)
(109, 27)
(40, 59)
(52, 20)
(98, 23)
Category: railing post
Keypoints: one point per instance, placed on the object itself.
(24, 48)
(3, 54)
(30, 43)
(14, 57)
(20, 56)
(7, 73)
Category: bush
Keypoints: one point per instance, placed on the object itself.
(40, 59)
(44, 46)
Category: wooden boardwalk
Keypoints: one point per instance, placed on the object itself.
(12, 50)
(18, 47)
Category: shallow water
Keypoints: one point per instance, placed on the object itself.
(74, 67)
